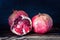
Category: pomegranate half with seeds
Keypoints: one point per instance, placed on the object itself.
(20, 23)
(42, 23)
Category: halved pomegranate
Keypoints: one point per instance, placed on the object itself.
(42, 23)
(20, 22)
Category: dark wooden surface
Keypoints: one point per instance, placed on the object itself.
(31, 36)
(8, 35)
(54, 34)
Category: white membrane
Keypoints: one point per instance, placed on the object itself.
(25, 17)
(24, 31)
(13, 30)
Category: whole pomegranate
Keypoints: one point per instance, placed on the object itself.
(20, 23)
(42, 23)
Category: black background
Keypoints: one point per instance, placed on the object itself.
(32, 7)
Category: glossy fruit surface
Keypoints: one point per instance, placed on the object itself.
(42, 23)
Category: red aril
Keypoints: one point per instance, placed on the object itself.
(20, 23)
(42, 23)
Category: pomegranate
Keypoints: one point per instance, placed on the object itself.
(42, 23)
(20, 23)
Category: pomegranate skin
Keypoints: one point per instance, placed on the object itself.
(15, 15)
(20, 23)
(42, 23)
